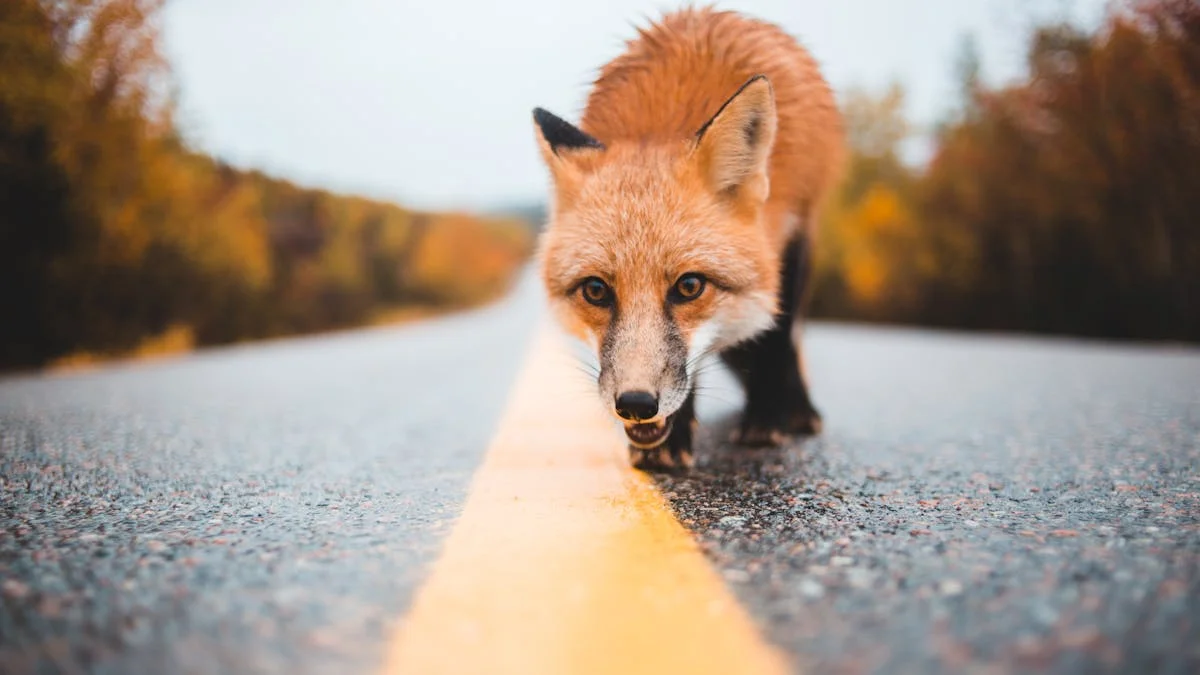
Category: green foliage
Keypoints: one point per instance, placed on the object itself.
(113, 233)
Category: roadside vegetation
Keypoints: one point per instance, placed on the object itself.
(1066, 203)
(117, 238)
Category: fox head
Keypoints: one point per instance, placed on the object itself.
(655, 254)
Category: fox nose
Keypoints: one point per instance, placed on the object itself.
(635, 406)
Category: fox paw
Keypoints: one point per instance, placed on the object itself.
(775, 430)
(664, 458)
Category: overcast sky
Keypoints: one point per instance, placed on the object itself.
(428, 103)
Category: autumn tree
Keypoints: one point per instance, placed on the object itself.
(870, 257)
(1080, 187)
(113, 230)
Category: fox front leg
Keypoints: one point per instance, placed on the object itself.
(771, 368)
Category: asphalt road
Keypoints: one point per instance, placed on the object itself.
(994, 504)
(975, 504)
(267, 508)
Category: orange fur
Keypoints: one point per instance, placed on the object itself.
(659, 200)
(676, 75)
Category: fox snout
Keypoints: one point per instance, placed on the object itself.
(639, 404)
(643, 369)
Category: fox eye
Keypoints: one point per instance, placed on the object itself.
(689, 287)
(596, 292)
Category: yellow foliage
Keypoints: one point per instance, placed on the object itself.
(461, 259)
(881, 212)
(237, 244)
(341, 257)
(873, 234)
(175, 340)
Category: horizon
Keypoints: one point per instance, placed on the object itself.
(314, 107)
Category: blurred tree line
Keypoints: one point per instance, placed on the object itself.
(113, 231)
(1068, 203)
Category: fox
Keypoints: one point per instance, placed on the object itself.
(681, 223)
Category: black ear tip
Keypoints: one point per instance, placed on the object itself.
(545, 118)
(562, 134)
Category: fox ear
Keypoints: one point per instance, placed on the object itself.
(558, 137)
(734, 147)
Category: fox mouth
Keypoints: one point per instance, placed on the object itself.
(648, 435)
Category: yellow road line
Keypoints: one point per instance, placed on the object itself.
(565, 560)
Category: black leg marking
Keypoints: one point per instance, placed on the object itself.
(676, 451)
(770, 367)
(683, 432)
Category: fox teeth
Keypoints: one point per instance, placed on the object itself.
(648, 435)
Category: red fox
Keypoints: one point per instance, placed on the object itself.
(682, 219)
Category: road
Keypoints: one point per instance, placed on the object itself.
(266, 508)
(976, 503)
(988, 503)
